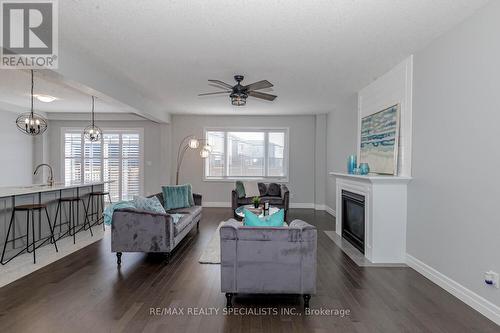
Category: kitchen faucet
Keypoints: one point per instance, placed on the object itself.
(50, 180)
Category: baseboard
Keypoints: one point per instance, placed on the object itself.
(216, 204)
(330, 211)
(301, 205)
(475, 301)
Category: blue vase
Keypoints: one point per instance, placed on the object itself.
(351, 164)
(364, 168)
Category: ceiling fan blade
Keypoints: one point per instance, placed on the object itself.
(215, 93)
(259, 85)
(224, 84)
(267, 97)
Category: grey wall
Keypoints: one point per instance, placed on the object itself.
(341, 142)
(156, 149)
(302, 153)
(16, 157)
(453, 219)
(320, 161)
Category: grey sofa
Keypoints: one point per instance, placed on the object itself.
(276, 194)
(139, 231)
(268, 260)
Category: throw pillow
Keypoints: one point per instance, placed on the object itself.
(262, 189)
(275, 220)
(240, 189)
(251, 189)
(148, 204)
(274, 190)
(177, 196)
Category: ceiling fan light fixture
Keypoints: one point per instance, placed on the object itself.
(238, 99)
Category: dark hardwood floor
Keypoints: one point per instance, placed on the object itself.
(86, 292)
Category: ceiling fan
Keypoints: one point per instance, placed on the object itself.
(239, 93)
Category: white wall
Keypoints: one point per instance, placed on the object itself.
(341, 142)
(16, 157)
(453, 217)
(156, 149)
(394, 87)
(302, 154)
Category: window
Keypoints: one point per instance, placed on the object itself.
(116, 158)
(247, 153)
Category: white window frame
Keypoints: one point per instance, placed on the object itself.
(266, 130)
(107, 130)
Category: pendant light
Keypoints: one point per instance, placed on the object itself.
(92, 132)
(31, 123)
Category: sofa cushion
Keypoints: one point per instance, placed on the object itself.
(272, 200)
(244, 201)
(262, 189)
(148, 204)
(194, 211)
(274, 190)
(183, 222)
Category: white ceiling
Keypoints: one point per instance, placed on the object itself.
(315, 52)
(71, 97)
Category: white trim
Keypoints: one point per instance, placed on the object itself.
(475, 301)
(266, 130)
(330, 211)
(319, 207)
(216, 204)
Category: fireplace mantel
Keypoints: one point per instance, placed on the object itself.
(385, 213)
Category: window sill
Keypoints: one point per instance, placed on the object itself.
(232, 180)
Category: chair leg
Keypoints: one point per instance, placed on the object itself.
(51, 229)
(86, 221)
(7, 236)
(229, 297)
(307, 297)
(118, 258)
(33, 234)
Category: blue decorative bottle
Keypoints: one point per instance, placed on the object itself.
(364, 169)
(351, 164)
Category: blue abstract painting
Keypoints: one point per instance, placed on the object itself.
(379, 140)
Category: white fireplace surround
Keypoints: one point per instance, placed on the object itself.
(385, 214)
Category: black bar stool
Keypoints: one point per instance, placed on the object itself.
(30, 210)
(98, 198)
(72, 221)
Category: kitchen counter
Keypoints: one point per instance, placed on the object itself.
(40, 188)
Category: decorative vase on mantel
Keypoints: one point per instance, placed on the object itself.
(352, 164)
(364, 169)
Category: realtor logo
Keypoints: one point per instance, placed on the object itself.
(28, 34)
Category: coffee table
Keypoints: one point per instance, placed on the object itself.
(239, 211)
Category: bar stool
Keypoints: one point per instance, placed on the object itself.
(30, 210)
(99, 195)
(72, 222)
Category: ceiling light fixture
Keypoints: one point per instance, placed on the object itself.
(31, 123)
(92, 132)
(238, 99)
(45, 98)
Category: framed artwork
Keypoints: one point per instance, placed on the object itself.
(379, 140)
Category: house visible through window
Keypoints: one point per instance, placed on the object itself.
(247, 153)
(117, 157)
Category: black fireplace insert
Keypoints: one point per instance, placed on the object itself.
(353, 219)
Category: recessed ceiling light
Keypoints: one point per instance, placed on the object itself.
(45, 98)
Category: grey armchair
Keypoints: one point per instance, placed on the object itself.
(139, 231)
(268, 260)
(276, 194)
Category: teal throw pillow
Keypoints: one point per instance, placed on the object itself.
(177, 196)
(149, 204)
(275, 220)
(240, 189)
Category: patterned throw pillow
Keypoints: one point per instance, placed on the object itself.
(240, 189)
(177, 196)
(152, 205)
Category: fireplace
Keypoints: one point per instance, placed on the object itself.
(353, 219)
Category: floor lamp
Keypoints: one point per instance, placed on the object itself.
(190, 142)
